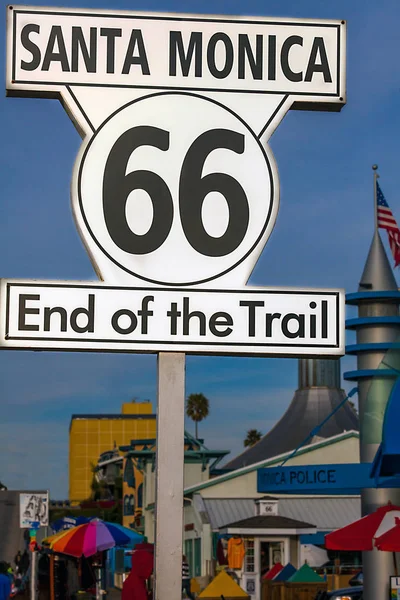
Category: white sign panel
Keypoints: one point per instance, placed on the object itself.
(175, 190)
(33, 510)
(251, 321)
(147, 194)
(175, 184)
(59, 47)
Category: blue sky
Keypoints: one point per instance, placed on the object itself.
(321, 239)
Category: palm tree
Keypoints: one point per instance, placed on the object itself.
(197, 408)
(253, 436)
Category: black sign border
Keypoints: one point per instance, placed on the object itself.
(150, 17)
(11, 284)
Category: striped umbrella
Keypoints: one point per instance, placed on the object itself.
(88, 539)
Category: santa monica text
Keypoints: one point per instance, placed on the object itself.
(133, 49)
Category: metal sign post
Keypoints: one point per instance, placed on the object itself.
(33, 514)
(169, 475)
(175, 192)
(33, 576)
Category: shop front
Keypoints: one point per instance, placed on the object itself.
(252, 546)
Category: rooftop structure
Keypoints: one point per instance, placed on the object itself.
(92, 434)
(318, 394)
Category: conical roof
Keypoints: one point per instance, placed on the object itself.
(377, 274)
(305, 575)
(318, 395)
(273, 572)
(285, 574)
(224, 585)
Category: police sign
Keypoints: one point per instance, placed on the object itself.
(328, 479)
(175, 186)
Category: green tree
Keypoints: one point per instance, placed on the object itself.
(253, 436)
(197, 409)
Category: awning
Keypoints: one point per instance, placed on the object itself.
(268, 525)
(387, 459)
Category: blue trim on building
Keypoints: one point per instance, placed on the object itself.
(355, 297)
(380, 347)
(317, 539)
(364, 373)
(360, 322)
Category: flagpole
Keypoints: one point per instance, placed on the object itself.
(375, 170)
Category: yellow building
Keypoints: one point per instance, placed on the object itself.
(90, 435)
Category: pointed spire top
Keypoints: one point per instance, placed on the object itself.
(377, 274)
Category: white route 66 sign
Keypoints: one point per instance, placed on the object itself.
(175, 183)
(175, 209)
(175, 186)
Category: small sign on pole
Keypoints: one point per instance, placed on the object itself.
(395, 588)
(33, 510)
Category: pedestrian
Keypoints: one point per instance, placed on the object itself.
(135, 587)
(5, 582)
(27, 539)
(10, 572)
(186, 578)
(17, 560)
(24, 564)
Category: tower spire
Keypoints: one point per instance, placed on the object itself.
(377, 329)
(376, 177)
(377, 274)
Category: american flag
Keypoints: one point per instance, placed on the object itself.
(387, 221)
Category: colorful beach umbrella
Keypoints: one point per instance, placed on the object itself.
(88, 539)
(134, 536)
(48, 541)
(361, 534)
(68, 523)
(390, 540)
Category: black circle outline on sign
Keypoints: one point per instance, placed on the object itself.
(155, 281)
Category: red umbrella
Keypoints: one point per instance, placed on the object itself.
(361, 534)
(390, 541)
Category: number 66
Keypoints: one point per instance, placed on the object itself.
(193, 188)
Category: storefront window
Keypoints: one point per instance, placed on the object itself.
(197, 557)
(189, 555)
(271, 553)
(249, 564)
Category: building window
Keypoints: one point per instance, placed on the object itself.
(197, 558)
(140, 495)
(189, 555)
(249, 564)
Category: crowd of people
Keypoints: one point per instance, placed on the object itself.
(13, 580)
(137, 586)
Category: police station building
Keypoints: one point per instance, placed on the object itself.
(231, 523)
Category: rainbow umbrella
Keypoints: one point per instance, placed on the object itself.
(88, 539)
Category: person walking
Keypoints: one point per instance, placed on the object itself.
(24, 564)
(186, 578)
(17, 560)
(5, 582)
(135, 587)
